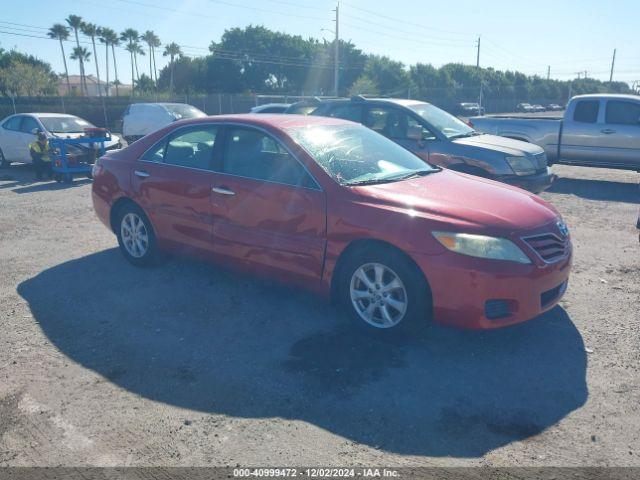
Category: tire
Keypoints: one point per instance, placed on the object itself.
(387, 317)
(4, 163)
(67, 178)
(142, 253)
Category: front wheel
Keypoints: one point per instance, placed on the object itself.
(383, 291)
(4, 163)
(135, 236)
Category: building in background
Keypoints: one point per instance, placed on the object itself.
(93, 86)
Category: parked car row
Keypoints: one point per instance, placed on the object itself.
(528, 108)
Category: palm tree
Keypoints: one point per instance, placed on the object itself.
(114, 41)
(75, 22)
(61, 33)
(91, 30)
(172, 51)
(82, 55)
(137, 50)
(155, 43)
(131, 37)
(148, 38)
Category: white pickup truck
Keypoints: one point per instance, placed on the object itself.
(596, 131)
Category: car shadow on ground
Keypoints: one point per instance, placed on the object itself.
(597, 189)
(21, 179)
(197, 337)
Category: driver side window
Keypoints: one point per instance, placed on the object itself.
(394, 123)
(29, 124)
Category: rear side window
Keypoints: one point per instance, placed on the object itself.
(347, 111)
(13, 123)
(29, 124)
(622, 113)
(253, 154)
(192, 148)
(586, 111)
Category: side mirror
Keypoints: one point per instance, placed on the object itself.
(35, 131)
(414, 132)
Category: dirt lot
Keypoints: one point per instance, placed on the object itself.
(105, 364)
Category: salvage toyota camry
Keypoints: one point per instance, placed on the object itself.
(332, 206)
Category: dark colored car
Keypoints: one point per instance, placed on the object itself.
(332, 206)
(441, 139)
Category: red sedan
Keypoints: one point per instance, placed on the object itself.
(332, 206)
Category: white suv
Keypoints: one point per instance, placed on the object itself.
(141, 119)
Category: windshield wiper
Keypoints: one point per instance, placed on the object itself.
(474, 133)
(397, 178)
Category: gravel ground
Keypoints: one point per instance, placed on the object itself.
(185, 364)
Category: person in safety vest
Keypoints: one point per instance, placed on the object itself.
(41, 155)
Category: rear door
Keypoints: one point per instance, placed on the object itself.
(620, 141)
(270, 214)
(11, 138)
(172, 182)
(582, 138)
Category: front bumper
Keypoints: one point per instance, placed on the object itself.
(536, 183)
(462, 285)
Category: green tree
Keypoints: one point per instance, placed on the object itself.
(390, 76)
(172, 51)
(61, 33)
(152, 41)
(24, 79)
(364, 86)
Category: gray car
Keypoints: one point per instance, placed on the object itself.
(442, 139)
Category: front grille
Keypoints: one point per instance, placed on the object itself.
(496, 309)
(540, 161)
(549, 246)
(550, 295)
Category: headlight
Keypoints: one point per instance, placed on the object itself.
(481, 246)
(521, 165)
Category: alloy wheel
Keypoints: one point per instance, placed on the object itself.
(378, 295)
(135, 237)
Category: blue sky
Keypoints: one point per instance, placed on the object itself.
(568, 35)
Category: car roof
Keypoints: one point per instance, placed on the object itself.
(404, 102)
(274, 120)
(619, 96)
(48, 114)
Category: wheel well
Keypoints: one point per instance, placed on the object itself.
(115, 208)
(370, 243)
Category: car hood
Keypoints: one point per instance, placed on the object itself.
(505, 145)
(464, 201)
(114, 138)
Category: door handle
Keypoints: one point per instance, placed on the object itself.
(141, 174)
(608, 131)
(223, 190)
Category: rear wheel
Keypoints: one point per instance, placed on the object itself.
(135, 236)
(384, 292)
(4, 163)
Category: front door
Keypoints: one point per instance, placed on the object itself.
(172, 182)
(269, 211)
(394, 123)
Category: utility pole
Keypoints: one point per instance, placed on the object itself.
(336, 54)
(613, 63)
(480, 75)
(548, 72)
